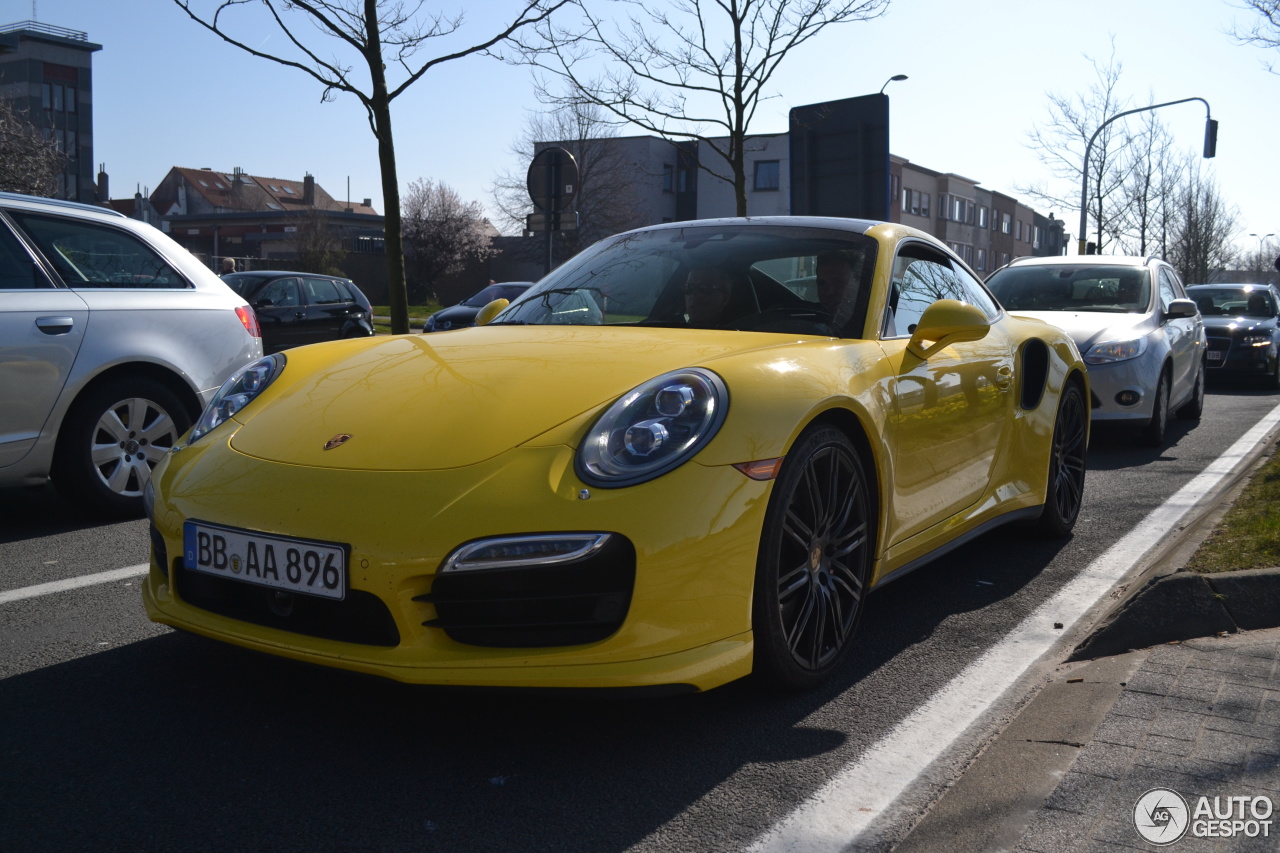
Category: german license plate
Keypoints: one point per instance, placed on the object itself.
(278, 562)
(1216, 355)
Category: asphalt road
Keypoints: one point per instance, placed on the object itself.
(116, 734)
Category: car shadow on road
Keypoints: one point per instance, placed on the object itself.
(177, 742)
(34, 512)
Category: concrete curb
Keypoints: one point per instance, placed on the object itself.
(1185, 605)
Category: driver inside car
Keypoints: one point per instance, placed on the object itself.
(706, 295)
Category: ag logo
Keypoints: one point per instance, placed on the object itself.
(1161, 816)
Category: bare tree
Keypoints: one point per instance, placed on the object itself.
(1146, 165)
(318, 246)
(1265, 30)
(686, 70)
(386, 36)
(604, 203)
(443, 232)
(29, 163)
(1061, 143)
(1202, 229)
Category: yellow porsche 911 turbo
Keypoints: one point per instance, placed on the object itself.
(684, 456)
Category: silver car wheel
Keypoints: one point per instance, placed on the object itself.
(127, 442)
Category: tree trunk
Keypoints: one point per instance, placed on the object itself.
(380, 108)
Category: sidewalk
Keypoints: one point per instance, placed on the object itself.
(1178, 688)
(1200, 718)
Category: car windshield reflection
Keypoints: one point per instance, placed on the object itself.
(1107, 289)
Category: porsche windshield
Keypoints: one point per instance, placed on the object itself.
(1110, 289)
(792, 279)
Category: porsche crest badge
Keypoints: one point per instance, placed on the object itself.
(337, 441)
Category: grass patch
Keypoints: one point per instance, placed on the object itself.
(1248, 537)
(418, 315)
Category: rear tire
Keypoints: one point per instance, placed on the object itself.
(1153, 434)
(1065, 492)
(111, 439)
(814, 562)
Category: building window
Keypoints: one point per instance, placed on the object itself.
(682, 181)
(1035, 237)
(982, 217)
(982, 259)
(668, 177)
(1006, 223)
(895, 184)
(766, 175)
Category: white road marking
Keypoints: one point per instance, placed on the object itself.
(73, 583)
(840, 812)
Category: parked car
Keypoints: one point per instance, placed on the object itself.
(1141, 336)
(642, 494)
(112, 339)
(464, 313)
(1240, 321)
(296, 308)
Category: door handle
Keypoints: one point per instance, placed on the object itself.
(55, 325)
(1004, 377)
(299, 315)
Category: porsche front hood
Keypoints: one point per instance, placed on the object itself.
(452, 399)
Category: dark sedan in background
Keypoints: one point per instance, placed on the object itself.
(464, 313)
(1240, 322)
(296, 308)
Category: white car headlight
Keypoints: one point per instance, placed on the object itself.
(1113, 351)
(236, 393)
(1257, 340)
(653, 429)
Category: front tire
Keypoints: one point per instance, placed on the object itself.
(1194, 408)
(814, 562)
(1065, 492)
(1153, 433)
(111, 439)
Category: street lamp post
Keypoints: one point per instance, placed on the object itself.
(1262, 239)
(897, 78)
(1210, 149)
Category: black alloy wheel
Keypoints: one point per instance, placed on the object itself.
(814, 562)
(1065, 492)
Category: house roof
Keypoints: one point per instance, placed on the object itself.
(233, 190)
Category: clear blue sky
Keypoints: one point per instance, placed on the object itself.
(169, 93)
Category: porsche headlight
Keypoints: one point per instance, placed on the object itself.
(237, 392)
(1115, 351)
(653, 429)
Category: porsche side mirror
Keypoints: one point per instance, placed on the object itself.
(947, 322)
(493, 309)
(1180, 308)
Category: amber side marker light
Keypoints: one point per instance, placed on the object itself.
(761, 469)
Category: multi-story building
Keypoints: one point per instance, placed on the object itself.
(986, 228)
(46, 71)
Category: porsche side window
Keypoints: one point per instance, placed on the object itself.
(920, 284)
(97, 256)
(18, 270)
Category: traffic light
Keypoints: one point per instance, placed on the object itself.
(1210, 138)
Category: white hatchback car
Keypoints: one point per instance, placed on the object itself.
(112, 340)
(1142, 338)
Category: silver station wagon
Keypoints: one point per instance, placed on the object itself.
(112, 340)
